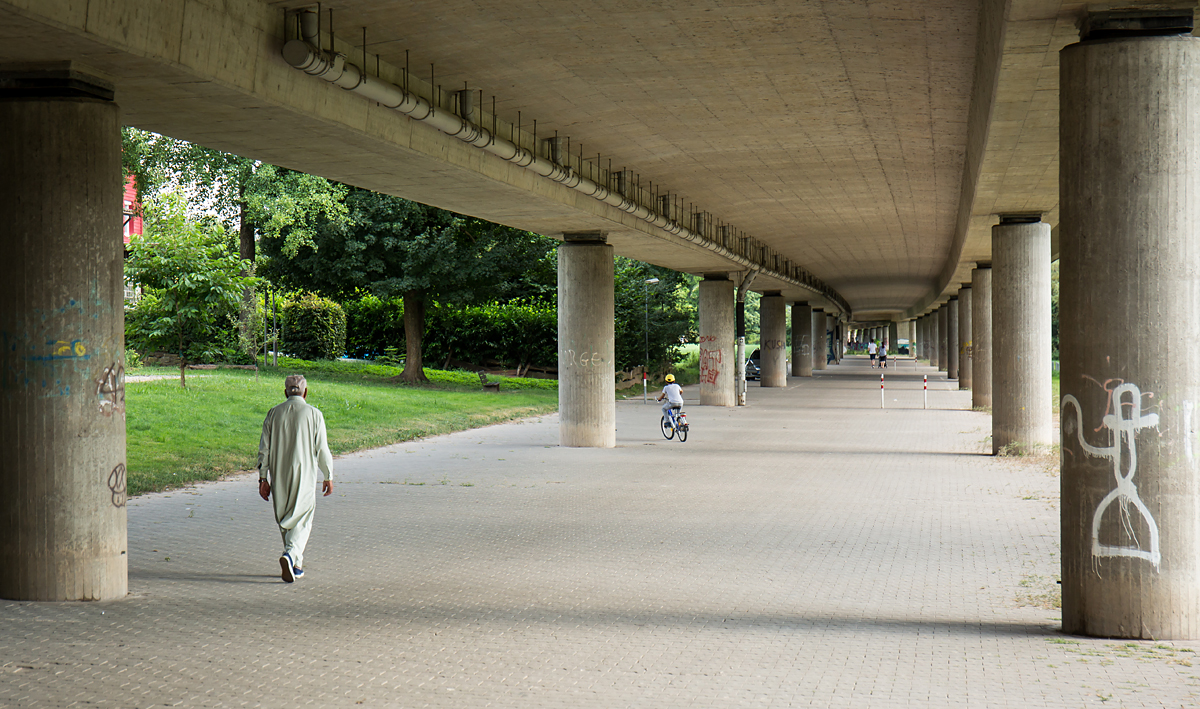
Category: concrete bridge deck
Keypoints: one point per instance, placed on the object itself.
(806, 550)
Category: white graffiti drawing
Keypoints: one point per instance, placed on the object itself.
(1122, 435)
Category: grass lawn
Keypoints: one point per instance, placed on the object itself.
(177, 436)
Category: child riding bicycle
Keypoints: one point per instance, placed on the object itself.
(673, 394)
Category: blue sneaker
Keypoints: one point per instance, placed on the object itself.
(297, 572)
(285, 563)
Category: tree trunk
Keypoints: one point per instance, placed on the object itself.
(246, 251)
(414, 331)
(182, 361)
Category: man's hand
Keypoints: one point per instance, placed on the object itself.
(327, 486)
(264, 489)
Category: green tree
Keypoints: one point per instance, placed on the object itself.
(251, 197)
(192, 278)
(671, 306)
(392, 247)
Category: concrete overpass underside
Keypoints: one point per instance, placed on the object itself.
(866, 144)
(875, 165)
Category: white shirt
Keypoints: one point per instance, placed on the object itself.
(872, 348)
(674, 393)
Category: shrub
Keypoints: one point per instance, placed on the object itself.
(314, 328)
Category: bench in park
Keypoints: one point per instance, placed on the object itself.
(488, 386)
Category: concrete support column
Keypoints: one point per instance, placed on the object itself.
(927, 339)
(1021, 405)
(893, 335)
(586, 376)
(1129, 328)
(964, 337)
(981, 336)
(818, 325)
(830, 338)
(930, 339)
(943, 358)
(802, 339)
(952, 338)
(62, 369)
(772, 324)
(837, 344)
(718, 363)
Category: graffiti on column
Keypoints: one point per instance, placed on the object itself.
(37, 354)
(1124, 399)
(110, 389)
(710, 360)
(572, 358)
(116, 485)
(806, 345)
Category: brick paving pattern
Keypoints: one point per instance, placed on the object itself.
(809, 549)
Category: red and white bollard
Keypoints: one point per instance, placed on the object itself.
(881, 396)
(926, 382)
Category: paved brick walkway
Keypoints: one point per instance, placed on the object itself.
(807, 550)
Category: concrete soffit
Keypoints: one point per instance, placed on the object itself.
(1012, 146)
(989, 54)
(612, 192)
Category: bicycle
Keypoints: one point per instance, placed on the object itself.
(672, 424)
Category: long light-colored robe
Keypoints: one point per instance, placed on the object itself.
(291, 451)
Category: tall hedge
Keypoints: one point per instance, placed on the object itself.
(314, 328)
(514, 334)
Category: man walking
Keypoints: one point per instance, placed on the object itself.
(291, 450)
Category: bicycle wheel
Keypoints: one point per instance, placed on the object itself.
(683, 433)
(668, 430)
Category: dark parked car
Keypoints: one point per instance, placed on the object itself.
(752, 365)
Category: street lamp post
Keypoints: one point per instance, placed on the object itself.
(646, 366)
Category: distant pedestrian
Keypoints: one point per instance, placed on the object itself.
(292, 449)
(882, 357)
(871, 350)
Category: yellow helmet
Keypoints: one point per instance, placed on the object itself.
(670, 378)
